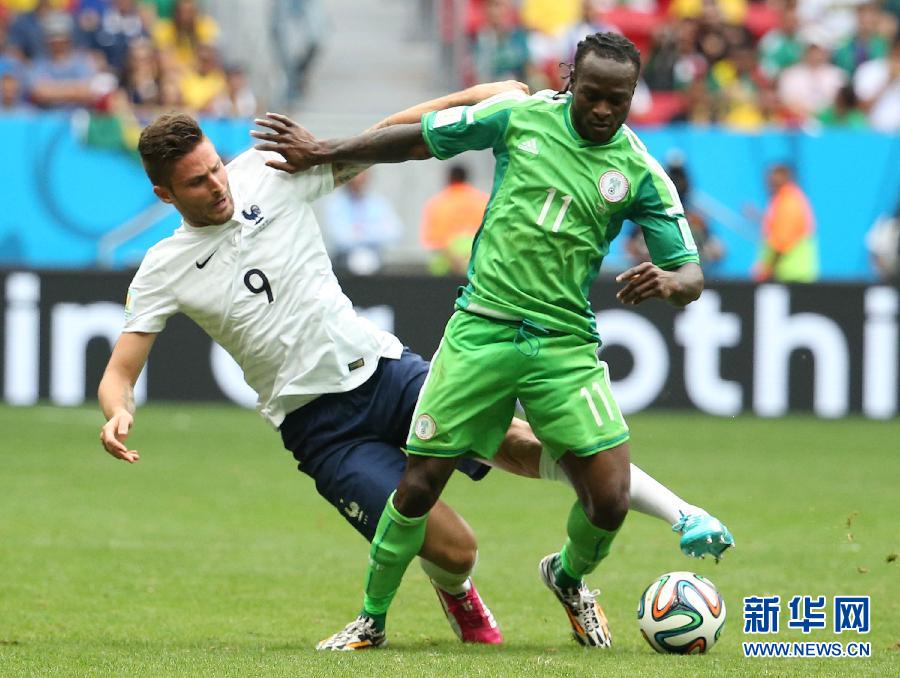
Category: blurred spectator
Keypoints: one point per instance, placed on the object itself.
(140, 79)
(866, 43)
(844, 112)
(112, 30)
(360, 224)
(811, 85)
(187, 30)
(675, 62)
(709, 247)
(699, 107)
(9, 58)
(712, 38)
(781, 47)
(835, 18)
(66, 77)
(731, 11)
(170, 91)
(450, 221)
(27, 33)
(500, 48)
(299, 27)
(162, 9)
(591, 22)
(12, 99)
(877, 84)
(883, 244)
(737, 82)
(203, 84)
(789, 251)
(238, 99)
(550, 17)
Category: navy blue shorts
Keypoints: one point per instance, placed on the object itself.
(351, 443)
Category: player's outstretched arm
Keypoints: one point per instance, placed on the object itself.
(467, 97)
(301, 150)
(344, 172)
(116, 392)
(645, 281)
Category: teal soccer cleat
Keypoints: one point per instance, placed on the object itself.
(703, 535)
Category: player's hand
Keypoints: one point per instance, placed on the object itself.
(489, 89)
(292, 141)
(646, 281)
(113, 436)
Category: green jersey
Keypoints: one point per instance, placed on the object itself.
(558, 201)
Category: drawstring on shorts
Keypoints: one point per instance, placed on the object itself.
(526, 341)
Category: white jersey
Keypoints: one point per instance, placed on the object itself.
(261, 285)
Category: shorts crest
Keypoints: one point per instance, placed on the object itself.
(425, 428)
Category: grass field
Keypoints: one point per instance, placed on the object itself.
(213, 556)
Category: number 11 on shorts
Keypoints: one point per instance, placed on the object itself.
(586, 394)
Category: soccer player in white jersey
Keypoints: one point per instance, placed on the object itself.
(248, 265)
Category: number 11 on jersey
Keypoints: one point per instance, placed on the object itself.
(566, 201)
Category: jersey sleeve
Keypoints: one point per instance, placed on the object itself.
(454, 130)
(658, 211)
(150, 302)
(314, 182)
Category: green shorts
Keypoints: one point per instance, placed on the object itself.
(484, 365)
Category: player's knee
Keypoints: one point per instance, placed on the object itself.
(608, 512)
(416, 494)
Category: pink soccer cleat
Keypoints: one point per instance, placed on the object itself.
(469, 617)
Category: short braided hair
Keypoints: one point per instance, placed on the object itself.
(608, 46)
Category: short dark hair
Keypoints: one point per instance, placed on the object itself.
(457, 174)
(609, 46)
(164, 142)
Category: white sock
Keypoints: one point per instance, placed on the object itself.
(548, 469)
(452, 583)
(647, 495)
(652, 498)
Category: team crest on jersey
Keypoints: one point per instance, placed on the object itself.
(425, 427)
(254, 214)
(613, 186)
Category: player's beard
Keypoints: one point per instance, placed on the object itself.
(209, 215)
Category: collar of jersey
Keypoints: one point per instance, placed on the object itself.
(212, 228)
(567, 114)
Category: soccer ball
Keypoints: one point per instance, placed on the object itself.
(682, 613)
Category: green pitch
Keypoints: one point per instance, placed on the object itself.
(213, 556)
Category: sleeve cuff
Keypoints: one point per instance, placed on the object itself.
(426, 135)
(680, 261)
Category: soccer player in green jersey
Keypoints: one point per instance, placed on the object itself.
(568, 174)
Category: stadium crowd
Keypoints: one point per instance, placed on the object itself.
(128, 57)
(734, 62)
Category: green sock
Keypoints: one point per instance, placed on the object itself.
(586, 546)
(397, 541)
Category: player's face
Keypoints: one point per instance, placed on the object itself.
(601, 96)
(199, 187)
